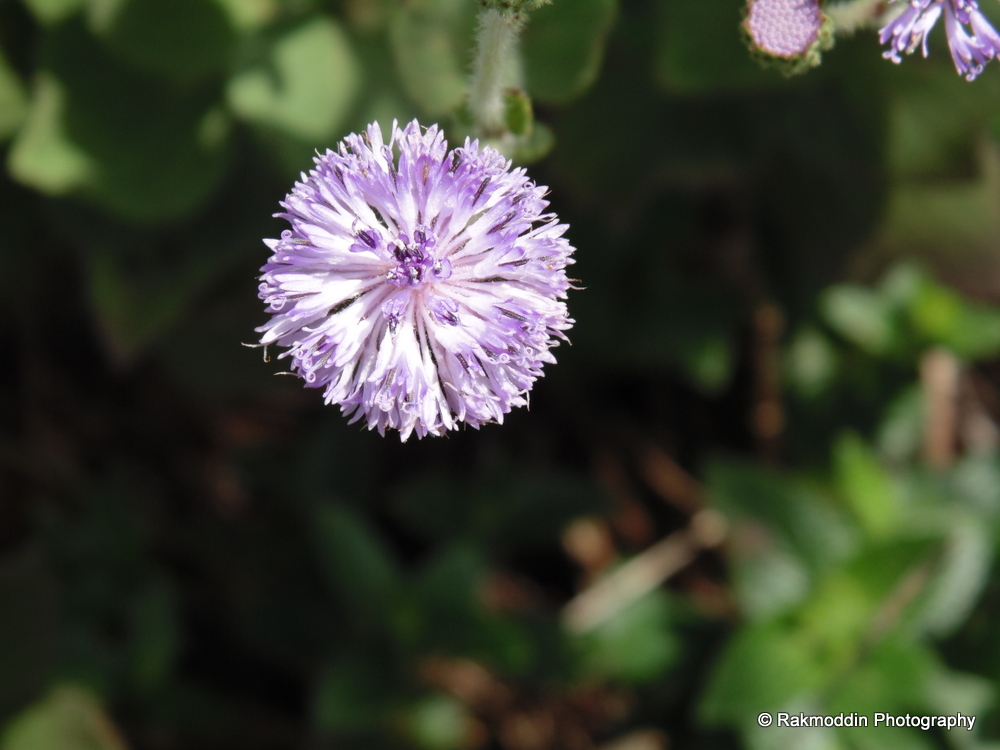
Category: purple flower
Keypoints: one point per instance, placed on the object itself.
(970, 53)
(419, 287)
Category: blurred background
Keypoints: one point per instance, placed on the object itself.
(763, 477)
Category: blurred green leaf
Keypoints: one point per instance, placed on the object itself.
(68, 719)
(865, 486)
(947, 219)
(430, 41)
(959, 578)
(949, 692)
(133, 310)
(935, 122)
(13, 100)
(943, 317)
(149, 33)
(636, 645)
(800, 512)
(563, 45)
(353, 694)
(53, 11)
(132, 145)
(902, 427)
(250, 14)
(861, 316)
(763, 668)
(537, 145)
(700, 50)
(356, 563)
(439, 722)
(904, 676)
(709, 360)
(42, 156)
(834, 620)
(309, 88)
(893, 678)
(810, 362)
(29, 621)
(155, 638)
(521, 510)
(768, 578)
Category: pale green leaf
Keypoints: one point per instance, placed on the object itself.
(563, 47)
(431, 43)
(310, 89)
(53, 11)
(865, 486)
(68, 719)
(13, 100)
(42, 156)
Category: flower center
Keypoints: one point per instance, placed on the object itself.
(417, 264)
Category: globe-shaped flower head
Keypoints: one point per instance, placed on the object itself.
(787, 33)
(419, 287)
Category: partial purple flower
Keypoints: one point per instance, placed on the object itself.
(419, 287)
(788, 32)
(970, 52)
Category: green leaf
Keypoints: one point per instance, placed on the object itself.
(700, 50)
(430, 42)
(763, 668)
(810, 363)
(865, 486)
(446, 593)
(709, 360)
(155, 638)
(356, 563)
(250, 14)
(835, 618)
(353, 693)
(799, 512)
(902, 428)
(53, 11)
(68, 719)
(135, 309)
(149, 33)
(636, 645)
(861, 316)
(949, 692)
(309, 88)
(768, 578)
(13, 100)
(959, 579)
(134, 146)
(942, 316)
(536, 146)
(949, 220)
(935, 122)
(515, 511)
(439, 722)
(30, 623)
(42, 156)
(563, 45)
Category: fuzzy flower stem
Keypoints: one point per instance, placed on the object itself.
(495, 43)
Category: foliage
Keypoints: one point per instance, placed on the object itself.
(788, 333)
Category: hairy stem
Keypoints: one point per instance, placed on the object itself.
(495, 46)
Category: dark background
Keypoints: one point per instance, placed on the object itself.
(786, 333)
